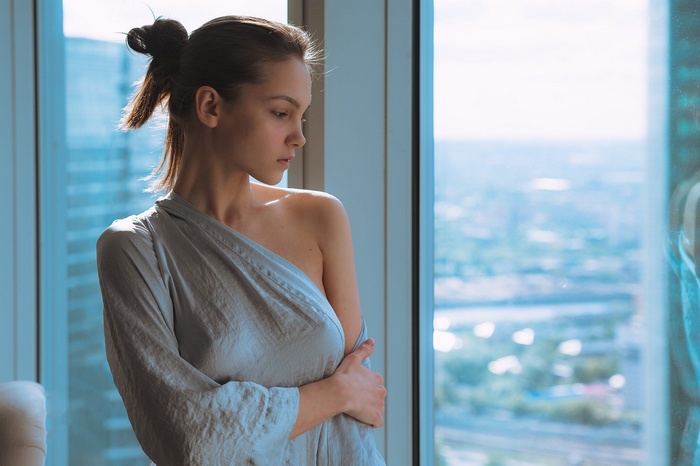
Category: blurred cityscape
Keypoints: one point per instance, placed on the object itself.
(537, 326)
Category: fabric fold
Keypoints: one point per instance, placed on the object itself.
(208, 334)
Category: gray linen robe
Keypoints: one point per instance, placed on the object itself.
(209, 335)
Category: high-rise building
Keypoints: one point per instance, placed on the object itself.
(103, 172)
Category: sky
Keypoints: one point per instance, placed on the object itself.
(540, 69)
(503, 69)
(106, 19)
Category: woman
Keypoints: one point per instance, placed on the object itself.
(232, 317)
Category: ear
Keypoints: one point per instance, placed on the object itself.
(208, 105)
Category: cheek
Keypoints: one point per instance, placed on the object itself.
(273, 130)
(244, 126)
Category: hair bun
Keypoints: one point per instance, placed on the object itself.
(163, 40)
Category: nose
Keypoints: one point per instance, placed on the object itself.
(297, 139)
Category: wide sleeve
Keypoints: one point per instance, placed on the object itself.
(180, 416)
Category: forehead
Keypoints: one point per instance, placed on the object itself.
(290, 79)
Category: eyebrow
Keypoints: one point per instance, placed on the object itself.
(288, 99)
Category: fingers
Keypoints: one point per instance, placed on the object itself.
(365, 349)
(379, 423)
(380, 392)
(365, 389)
(377, 417)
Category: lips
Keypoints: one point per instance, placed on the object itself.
(286, 160)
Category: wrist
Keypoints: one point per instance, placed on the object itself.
(342, 394)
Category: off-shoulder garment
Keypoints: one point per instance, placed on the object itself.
(208, 334)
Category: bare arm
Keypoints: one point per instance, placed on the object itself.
(339, 275)
(352, 389)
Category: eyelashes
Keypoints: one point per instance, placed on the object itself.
(282, 115)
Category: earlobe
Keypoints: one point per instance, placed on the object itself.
(208, 106)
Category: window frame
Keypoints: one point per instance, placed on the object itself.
(424, 200)
(51, 205)
(655, 279)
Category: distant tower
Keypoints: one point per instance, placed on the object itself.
(103, 169)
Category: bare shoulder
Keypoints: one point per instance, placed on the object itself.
(322, 211)
(316, 213)
(305, 203)
(319, 201)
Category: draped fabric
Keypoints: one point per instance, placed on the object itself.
(208, 336)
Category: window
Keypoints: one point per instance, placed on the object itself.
(542, 309)
(92, 174)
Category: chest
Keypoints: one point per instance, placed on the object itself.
(290, 240)
(240, 314)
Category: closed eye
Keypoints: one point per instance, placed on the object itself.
(279, 114)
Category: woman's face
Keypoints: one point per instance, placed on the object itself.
(261, 129)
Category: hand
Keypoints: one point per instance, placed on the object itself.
(364, 389)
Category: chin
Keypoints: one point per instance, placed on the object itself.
(268, 181)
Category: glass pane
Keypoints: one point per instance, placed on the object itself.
(540, 165)
(104, 173)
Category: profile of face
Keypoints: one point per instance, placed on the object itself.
(259, 131)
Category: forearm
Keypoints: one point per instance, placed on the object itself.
(352, 389)
(318, 402)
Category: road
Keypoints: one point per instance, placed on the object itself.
(474, 441)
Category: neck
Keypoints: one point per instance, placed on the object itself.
(223, 195)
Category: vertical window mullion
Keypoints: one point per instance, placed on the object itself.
(25, 217)
(52, 161)
(7, 194)
(17, 181)
(423, 132)
(401, 260)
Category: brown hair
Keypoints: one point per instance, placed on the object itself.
(224, 53)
